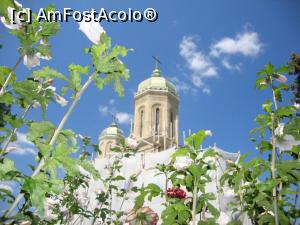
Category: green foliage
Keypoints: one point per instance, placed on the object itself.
(58, 172)
(105, 61)
(256, 181)
(48, 73)
(195, 140)
(74, 83)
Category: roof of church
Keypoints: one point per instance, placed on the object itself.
(156, 82)
(112, 131)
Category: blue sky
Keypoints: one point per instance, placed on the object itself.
(210, 49)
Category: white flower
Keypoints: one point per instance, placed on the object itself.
(13, 25)
(229, 193)
(132, 143)
(279, 129)
(98, 191)
(223, 219)
(208, 133)
(46, 57)
(127, 185)
(51, 88)
(31, 61)
(182, 162)
(60, 100)
(52, 201)
(281, 78)
(92, 30)
(297, 105)
(285, 142)
(50, 204)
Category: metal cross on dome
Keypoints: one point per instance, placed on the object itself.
(157, 61)
(114, 118)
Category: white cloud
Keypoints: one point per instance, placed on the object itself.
(22, 146)
(199, 64)
(206, 65)
(246, 44)
(104, 110)
(182, 86)
(225, 62)
(206, 90)
(197, 61)
(122, 117)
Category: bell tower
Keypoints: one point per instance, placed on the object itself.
(156, 113)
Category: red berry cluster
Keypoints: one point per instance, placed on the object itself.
(176, 193)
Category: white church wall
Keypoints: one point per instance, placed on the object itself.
(144, 165)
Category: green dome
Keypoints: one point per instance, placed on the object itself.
(156, 82)
(112, 132)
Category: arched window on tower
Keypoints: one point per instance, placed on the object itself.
(171, 125)
(108, 148)
(142, 123)
(156, 120)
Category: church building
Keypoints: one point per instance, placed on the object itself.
(154, 132)
(155, 125)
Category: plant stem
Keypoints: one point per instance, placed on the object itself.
(166, 186)
(273, 165)
(273, 173)
(195, 192)
(53, 139)
(280, 155)
(15, 130)
(2, 91)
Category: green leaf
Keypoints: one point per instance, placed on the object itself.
(7, 98)
(49, 73)
(213, 210)
(195, 140)
(40, 129)
(28, 90)
(4, 5)
(209, 153)
(286, 111)
(283, 69)
(37, 188)
(44, 50)
(269, 69)
(196, 170)
(99, 83)
(180, 152)
(13, 121)
(4, 72)
(75, 72)
(267, 106)
(139, 200)
(153, 190)
(6, 167)
(261, 72)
